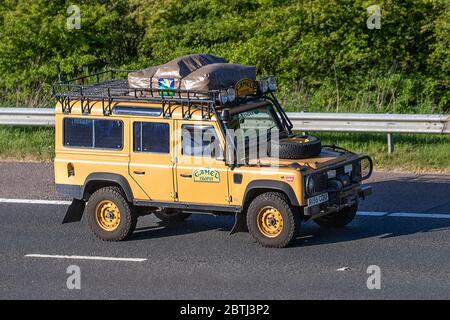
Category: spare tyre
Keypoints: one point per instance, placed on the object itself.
(298, 147)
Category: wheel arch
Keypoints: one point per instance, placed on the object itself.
(257, 187)
(99, 180)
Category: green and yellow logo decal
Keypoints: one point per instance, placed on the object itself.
(166, 87)
(206, 175)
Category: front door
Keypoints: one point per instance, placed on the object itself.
(201, 173)
(151, 160)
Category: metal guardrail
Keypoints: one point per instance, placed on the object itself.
(27, 117)
(366, 122)
(302, 121)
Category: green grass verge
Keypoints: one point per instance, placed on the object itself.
(426, 153)
(27, 143)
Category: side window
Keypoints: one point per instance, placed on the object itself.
(198, 141)
(108, 134)
(78, 132)
(151, 137)
(93, 133)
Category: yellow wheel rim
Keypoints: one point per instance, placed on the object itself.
(108, 215)
(270, 222)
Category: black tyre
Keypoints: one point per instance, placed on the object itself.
(339, 219)
(110, 216)
(171, 215)
(272, 221)
(300, 147)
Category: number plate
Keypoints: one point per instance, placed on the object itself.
(321, 198)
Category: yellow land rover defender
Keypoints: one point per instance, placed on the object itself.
(207, 138)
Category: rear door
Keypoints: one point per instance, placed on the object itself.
(151, 158)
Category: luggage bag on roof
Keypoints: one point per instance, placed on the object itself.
(217, 76)
(175, 70)
(201, 72)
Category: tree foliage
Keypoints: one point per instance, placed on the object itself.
(322, 51)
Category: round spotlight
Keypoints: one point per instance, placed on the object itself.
(264, 85)
(273, 86)
(223, 96)
(231, 93)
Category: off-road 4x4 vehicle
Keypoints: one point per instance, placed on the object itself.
(124, 152)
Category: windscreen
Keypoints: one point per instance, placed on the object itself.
(262, 119)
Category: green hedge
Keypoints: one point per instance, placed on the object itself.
(322, 51)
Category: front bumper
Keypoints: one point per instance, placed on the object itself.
(338, 201)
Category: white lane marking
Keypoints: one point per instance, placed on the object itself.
(31, 201)
(47, 256)
(420, 215)
(343, 269)
(371, 213)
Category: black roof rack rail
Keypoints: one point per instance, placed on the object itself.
(108, 88)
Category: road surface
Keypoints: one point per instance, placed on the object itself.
(404, 229)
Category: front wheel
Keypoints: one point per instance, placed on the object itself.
(339, 219)
(272, 221)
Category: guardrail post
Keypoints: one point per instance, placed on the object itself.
(390, 142)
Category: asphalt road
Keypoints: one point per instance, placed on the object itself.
(197, 259)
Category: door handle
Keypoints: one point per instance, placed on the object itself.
(185, 175)
(141, 173)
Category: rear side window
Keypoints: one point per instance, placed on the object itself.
(78, 132)
(151, 137)
(108, 134)
(93, 133)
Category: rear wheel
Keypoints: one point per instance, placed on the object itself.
(339, 219)
(272, 221)
(171, 215)
(110, 216)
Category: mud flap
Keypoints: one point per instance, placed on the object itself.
(240, 223)
(75, 211)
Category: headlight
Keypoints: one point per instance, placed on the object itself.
(316, 183)
(310, 185)
(231, 93)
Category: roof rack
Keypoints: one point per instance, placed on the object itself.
(108, 88)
